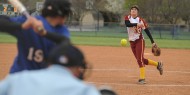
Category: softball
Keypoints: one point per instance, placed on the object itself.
(123, 42)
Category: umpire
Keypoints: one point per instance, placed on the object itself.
(67, 66)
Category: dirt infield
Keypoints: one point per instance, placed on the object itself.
(116, 67)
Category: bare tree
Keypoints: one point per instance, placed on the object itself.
(31, 4)
(186, 13)
(100, 5)
(171, 10)
(79, 7)
(162, 11)
(150, 10)
(115, 6)
(3, 1)
(129, 3)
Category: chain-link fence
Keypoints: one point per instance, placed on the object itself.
(112, 29)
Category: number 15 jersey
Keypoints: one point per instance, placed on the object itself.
(33, 49)
(135, 32)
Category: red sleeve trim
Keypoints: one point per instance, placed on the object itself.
(145, 23)
(127, 17)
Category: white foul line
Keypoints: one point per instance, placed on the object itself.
(136, 70)
(149, 85)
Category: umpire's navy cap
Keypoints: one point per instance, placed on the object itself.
(66, 55)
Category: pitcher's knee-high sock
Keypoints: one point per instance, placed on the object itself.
(151, 62)
(142, 73)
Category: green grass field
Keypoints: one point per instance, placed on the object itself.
(111, 41)
(7, 39)
(107, 41)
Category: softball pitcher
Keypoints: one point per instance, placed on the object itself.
(135, 25)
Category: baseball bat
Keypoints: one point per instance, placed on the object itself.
(22, 9)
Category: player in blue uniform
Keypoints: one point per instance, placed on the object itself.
(32, 48)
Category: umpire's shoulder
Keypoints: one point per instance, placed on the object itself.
(91, 90)
(86, 88)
